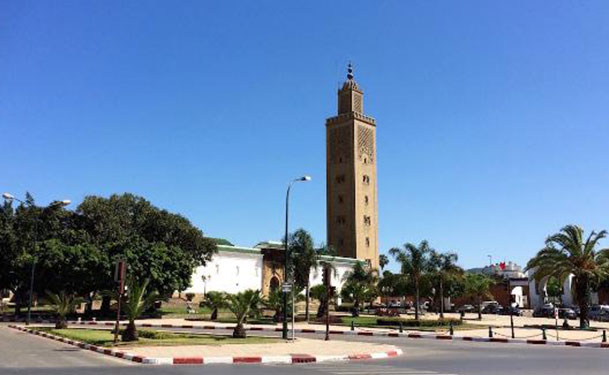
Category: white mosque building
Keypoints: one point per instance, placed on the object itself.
(236, 268)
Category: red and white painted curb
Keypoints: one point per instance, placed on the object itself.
(286, 359)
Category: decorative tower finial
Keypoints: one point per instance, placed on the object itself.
(350, 71)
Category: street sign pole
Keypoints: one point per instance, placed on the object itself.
(556, 321)
(119, 276)
(293, 315)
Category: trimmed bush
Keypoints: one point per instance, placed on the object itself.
(416, 323)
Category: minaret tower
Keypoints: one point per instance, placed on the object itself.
(351, 191)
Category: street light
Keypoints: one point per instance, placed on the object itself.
(61, 203)
(286, 258)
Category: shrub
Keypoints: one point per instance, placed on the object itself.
(154, 335)
(417, 323)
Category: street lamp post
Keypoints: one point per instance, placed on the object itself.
(63, 203)
(286, 257)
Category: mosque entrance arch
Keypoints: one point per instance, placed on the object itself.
(274, 283)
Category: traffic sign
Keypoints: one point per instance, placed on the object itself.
(286, 287)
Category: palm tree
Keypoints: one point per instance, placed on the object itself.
(274, 301)
(63, 304)
(383, 261)
(304, 258)
(319, 292)
(415, 264)
(360, 284)
(214, 301)
(568, 253)
(241, 305)
(478, 287)
(444, 268)
(136, 302)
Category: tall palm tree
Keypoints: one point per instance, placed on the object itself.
(383, 261)
(415, 264)
(444, 266)
(138, 299)
(360, 284)
(304, 258)
(241, 305)
(568, 253)
(478, 286)
(63, 304)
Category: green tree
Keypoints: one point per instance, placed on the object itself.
(63, 304)
(383, 261)
(393, 285)
(415, 264)
(241, 305)
(478, 287)
(569, 253)
(274, 301)
(214, 301)
(136, 301)
(444, 268)
(319, 292)
(304, 258)
(360, 285)
(554, 289)
(156, 244)
(24, 232)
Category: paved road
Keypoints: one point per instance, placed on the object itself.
(25, 354)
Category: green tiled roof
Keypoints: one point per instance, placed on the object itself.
(257, 251)
(238, 249)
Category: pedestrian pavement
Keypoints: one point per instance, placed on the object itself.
(298, 351)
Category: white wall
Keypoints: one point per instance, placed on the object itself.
(337, 276)
(230, 272)
(236, 271)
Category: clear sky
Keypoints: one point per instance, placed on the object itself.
(493, 117)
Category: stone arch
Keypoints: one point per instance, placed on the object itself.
(539, 294)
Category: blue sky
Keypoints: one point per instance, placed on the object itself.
(493, 117)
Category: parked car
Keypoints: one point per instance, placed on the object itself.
(511, 310)
(599, 312)
(492, 309)
(566, 312)
(546, 311)
(489, 303)
(466, 308)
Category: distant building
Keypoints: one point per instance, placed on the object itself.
(511, 286)
(236, 268)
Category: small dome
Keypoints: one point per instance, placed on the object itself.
(350, 82)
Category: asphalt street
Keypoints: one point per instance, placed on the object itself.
(21, 353)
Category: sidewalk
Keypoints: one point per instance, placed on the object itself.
(309, 347)
(499, 323)
(300, 351)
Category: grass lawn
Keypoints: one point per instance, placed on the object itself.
(408, 324)
(180, 312)
(155, 338)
